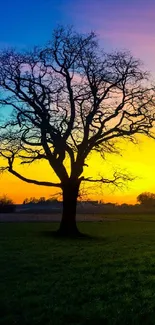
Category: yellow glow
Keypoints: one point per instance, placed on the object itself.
(138, 160)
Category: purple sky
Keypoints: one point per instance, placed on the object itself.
(120, 24)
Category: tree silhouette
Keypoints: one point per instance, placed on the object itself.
(70, 98)
(147, 199)
(6, 204)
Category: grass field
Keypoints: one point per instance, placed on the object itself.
(107, 279)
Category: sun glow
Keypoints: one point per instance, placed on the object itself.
(137, 160)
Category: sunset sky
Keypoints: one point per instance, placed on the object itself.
(120, 25)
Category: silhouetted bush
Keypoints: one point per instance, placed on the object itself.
(146, 199)
(6, 205)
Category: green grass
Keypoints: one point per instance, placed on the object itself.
(109, 279)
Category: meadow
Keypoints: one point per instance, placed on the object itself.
(106, 278)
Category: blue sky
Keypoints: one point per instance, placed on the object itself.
(120, 24)
(31, 21)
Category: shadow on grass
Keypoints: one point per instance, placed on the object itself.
(80, 236)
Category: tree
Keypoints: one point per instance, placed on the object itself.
(70, 98)
(31, 200)
(5, 200)
(6, 204)
(42, 200)
(147, 199)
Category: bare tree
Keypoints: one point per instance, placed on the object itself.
(68, 99)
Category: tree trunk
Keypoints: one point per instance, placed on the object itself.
(68, 222)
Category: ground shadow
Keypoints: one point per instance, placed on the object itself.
(81, 236)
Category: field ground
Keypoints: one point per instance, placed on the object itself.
(108, 278)
(56, 217)
(47, 217)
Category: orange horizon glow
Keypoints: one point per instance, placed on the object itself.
(137, 160)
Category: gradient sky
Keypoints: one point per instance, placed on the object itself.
(119, 24)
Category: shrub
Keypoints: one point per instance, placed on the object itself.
(6, 205)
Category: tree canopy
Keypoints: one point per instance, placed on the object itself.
(67, 99)
(147, 199)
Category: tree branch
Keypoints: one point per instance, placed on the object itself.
(117, 180)
(32, 181)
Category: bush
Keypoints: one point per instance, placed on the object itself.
(6, 205)
(146, 199)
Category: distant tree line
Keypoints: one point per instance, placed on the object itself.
(145, 200)
(41, 200)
